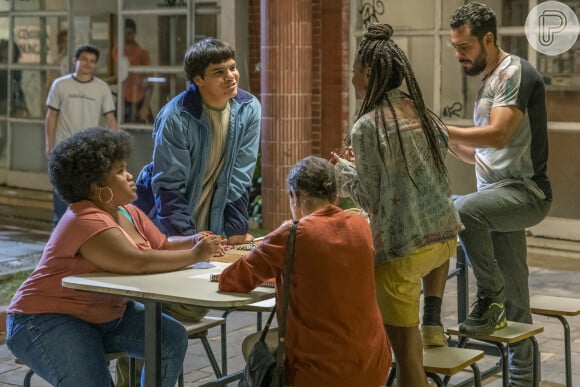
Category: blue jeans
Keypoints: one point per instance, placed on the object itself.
(494, 241)
(59, 206)
(67, 351)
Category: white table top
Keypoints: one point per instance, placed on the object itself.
(189, 286)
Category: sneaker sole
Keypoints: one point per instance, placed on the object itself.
(483, 332)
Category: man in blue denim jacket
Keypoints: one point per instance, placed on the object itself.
(206, 143)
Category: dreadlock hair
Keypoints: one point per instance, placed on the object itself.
(388, 66)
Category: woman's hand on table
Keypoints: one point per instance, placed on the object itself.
(209, 246)
(196, 238)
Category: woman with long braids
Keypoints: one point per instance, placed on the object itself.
(395, 171)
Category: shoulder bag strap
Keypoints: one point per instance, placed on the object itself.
(267, 326)
(285, 300)
(289, 263)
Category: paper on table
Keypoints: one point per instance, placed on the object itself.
(203, 265)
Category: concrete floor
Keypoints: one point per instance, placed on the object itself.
(554, 271)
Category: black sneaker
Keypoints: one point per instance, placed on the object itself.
(485, 317)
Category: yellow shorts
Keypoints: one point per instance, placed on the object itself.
(398, 282)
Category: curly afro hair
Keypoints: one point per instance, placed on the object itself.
(86, 158)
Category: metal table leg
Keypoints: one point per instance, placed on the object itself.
(152, 343)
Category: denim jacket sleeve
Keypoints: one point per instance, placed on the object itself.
(171, 169)
(235, 217)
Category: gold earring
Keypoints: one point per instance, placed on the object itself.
(110, 193)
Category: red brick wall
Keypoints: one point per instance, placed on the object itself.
(317, 52)
(330, 69)
(334, 74)
(327, 116)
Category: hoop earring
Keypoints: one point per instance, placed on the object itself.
(101, 199)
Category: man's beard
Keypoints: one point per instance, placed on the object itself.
(478, 64)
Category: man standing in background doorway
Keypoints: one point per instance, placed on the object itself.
(76, 102)
(136, 88)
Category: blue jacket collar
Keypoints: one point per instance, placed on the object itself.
(193, 104)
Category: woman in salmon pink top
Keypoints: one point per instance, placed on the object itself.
(334, 331)
(63, 334)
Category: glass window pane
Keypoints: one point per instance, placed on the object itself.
(563, 105)
(400, 17)
(3, 91)
(3, 145)
(420, 52)
(18, 102)
(37, 39)
(27, 147)
(163, 37)
(40, 5)
(511, 13)
(163, 87)
(142, 150)
(59, 60)
(154, 4)
(516, 45)
(4, 30)
(561, 72)
(100, 7)
(449, 7)
(28, 93)
(562, 76)
(574, 4)
(95, 30)
(206, 20)
(4, 59)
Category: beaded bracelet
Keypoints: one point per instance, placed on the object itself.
(196, 238)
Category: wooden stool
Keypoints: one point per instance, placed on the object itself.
(198, 330)
(513, 333)
(446, 361)
(558, 307)
(449, 360)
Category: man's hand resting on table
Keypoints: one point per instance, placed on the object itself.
(240, 239)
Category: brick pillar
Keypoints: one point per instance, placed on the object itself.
(286, 96)
(335, 74)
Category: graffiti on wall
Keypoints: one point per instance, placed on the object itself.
(370, 11)
(453, 110)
